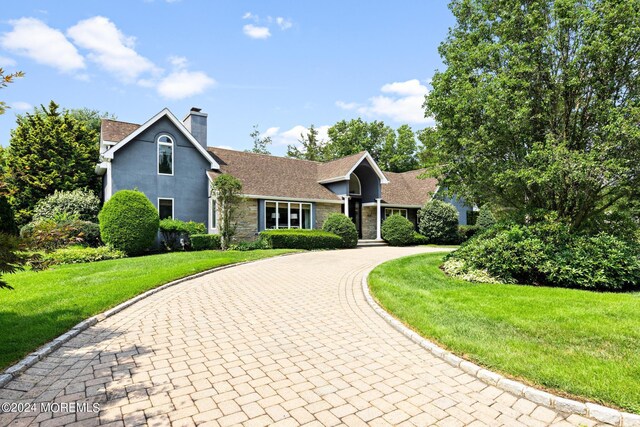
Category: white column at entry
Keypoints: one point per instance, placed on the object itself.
(346, 205)
(378, 220)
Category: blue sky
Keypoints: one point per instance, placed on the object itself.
(280, 64)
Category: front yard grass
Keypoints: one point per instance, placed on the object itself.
(573, 342)
(46, 304)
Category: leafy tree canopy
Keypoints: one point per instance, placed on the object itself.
(49, 150)
(539, 107)
(394, 151)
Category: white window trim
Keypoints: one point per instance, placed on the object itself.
(359, 185)
(399, 212)
(173, 206)
(173, 154)
(264, 222)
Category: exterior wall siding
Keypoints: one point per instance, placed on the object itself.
(135, 167)
(369, 222)
(322, 211)
(247, 220)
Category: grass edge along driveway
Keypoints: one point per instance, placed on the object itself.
(46, 304)
(576, 343)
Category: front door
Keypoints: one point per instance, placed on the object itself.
(355, 213)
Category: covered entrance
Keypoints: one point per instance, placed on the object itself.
(355, 213)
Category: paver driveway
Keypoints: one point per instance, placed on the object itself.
(288, 340)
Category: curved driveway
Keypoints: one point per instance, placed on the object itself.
(288, 340)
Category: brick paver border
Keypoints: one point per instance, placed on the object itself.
(591, 410)
(12, 372)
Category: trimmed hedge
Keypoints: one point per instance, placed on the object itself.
(129, 222)
(397, 231)
(342, 226)
(301, 239)
(79, 254)
(438, 222)
(202, 242)
(173, 230)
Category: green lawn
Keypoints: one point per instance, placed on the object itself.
(46, 304)
(574, 342)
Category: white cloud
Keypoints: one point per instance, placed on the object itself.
(411, 87)
(179, 62)
(183, 84)
(34, 39)
(249, 15)
(256, 32)
(283, 23)
(7, 62)
(21, 105)
(110, 48)
(403, 103)
(347, 105)
(292, 136)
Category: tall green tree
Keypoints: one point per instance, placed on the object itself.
(312, 148)
(399, 153)
(346, 138)
(49, 150)
(260, 144)
(538, 109)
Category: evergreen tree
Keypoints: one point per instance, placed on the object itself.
(49, 151)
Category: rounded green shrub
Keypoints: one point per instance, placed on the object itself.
(129, 222)
(342, 226)
(438, 222)
(465, 232)
(78, 204)
(485, 218)
(548, 253)
(7, 218)
(397, 231)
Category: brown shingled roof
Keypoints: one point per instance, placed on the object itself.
(264, 175)
(406, 189)
(339, 167)
(115, 131)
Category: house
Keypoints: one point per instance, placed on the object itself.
(169, 160)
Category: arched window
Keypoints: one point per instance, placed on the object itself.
(165, 155)
(354, 185)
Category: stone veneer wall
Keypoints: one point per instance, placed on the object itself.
(323, 210)
(369, 222)
(247, 219)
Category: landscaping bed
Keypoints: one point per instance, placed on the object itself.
(577, 343)
(46, 304)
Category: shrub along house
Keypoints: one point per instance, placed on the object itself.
(169, 161)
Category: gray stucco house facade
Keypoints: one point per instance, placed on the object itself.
(170, 162)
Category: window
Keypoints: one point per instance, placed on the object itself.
(391, 211)
(165, 208)
(287, 215)
(165, 155)
(354, 185)
(214, 214)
